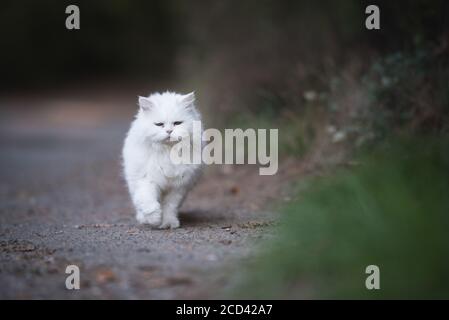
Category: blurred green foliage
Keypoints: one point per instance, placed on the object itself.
(406, 91)
(391, 211)
(256, 62)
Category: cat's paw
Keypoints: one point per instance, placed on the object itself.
(151, 217)
(171, 223)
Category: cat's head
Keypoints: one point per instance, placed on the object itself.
(167, 117)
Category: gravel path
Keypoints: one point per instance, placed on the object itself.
(63, 201)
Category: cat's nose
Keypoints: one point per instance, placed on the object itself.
(169, 131)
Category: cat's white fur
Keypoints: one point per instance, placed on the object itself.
(158, 186)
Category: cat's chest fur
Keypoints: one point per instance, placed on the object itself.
(160, 167)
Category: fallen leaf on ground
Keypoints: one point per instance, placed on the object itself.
(235, 190)
(133, 231)
(176, 281)
(105, 275)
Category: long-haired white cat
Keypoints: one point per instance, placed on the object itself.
(157, 185)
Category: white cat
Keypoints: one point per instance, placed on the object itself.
(157, 185)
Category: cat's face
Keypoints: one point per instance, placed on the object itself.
(167, 117)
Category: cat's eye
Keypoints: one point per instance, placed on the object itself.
(159, 124)
(177, 123)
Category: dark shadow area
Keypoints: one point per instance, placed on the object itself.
(194, 218)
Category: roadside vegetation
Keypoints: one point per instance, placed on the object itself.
(391, 211)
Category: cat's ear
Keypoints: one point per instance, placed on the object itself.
(145, 104)
(188, 99)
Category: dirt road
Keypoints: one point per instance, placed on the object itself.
(63, 202)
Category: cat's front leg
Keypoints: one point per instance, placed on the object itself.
(170, 205)
(146, 200)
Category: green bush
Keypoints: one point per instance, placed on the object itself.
(392, 211)
(408, 90)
